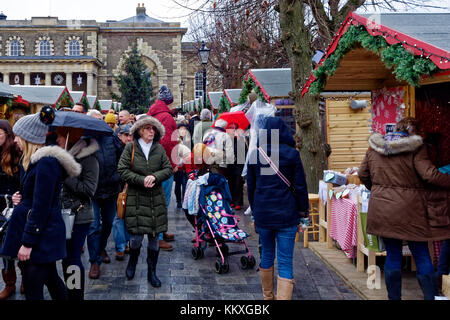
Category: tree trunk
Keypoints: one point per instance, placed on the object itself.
(310, 141)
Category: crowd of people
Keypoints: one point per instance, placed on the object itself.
(48, 169)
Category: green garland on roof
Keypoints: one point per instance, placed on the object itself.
(224, 104)
(85, 101)
(248, 86)
(406, 66)
(64, 101)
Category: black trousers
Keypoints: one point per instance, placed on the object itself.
(236, 184)
(36, 275)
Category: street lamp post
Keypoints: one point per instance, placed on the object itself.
(181, 91)
(203, 56)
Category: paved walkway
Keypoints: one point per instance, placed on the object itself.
(337, 260)
(184, 278)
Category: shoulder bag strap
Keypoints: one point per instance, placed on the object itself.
(275, 168)
(132, 156)
(125, 188)
(282, 177)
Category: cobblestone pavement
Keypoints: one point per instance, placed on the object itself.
(184, 278)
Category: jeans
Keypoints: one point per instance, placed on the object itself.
(120, 234)
(419, 251)
(443, 266)
(284, 240)
(35, 276)
(136, 241)
(73, 248)
(167, 186)
(180, 178)
(100, 228)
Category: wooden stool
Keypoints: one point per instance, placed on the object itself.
(314, 214)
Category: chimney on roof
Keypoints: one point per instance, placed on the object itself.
(140, 10)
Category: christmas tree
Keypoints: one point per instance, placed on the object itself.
(135, 84)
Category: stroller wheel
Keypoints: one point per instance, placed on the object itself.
(221, 268)
(252, 262)
(225, 267)
(197, 253)
(245, 262)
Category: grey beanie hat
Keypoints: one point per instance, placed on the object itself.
(34, 127)
(165, 95)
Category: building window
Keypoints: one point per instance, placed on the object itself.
(14, 48)
(44, 48)
(198, 85)
(74, 48)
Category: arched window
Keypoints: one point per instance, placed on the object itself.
(74, 48)
(14, 48)
(44, 48)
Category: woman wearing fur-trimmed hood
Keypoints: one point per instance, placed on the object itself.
(144, 165)
(395, 169)
(76, 195)
(36, 232)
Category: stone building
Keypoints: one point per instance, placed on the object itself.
(86, 55)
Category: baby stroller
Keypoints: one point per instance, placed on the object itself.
(216, 225)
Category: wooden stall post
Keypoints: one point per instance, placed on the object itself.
(322, 222)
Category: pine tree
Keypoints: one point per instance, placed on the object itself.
(134, 84)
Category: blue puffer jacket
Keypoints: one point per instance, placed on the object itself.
(36, 221)
(272, 203)
(108, 155)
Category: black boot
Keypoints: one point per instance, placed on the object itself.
(393, 279)
(132, 262)
(152, 260)
(428, 284)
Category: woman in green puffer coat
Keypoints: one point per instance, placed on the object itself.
(146, 211)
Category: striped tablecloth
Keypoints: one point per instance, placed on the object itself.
(344, 224)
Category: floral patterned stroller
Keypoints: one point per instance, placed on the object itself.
(216, 224)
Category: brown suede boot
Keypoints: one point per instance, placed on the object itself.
(266, 276)
(284, 288)
(9, 277)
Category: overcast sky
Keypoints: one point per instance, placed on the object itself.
(102, 10)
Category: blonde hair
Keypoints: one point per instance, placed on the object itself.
(28, 150)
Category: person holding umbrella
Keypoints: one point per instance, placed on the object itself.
(36, 232)
(77, 194)
(234, 170)
(105, 197)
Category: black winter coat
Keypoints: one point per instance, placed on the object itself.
(108, 155)
(36, 221)
(273, 205)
